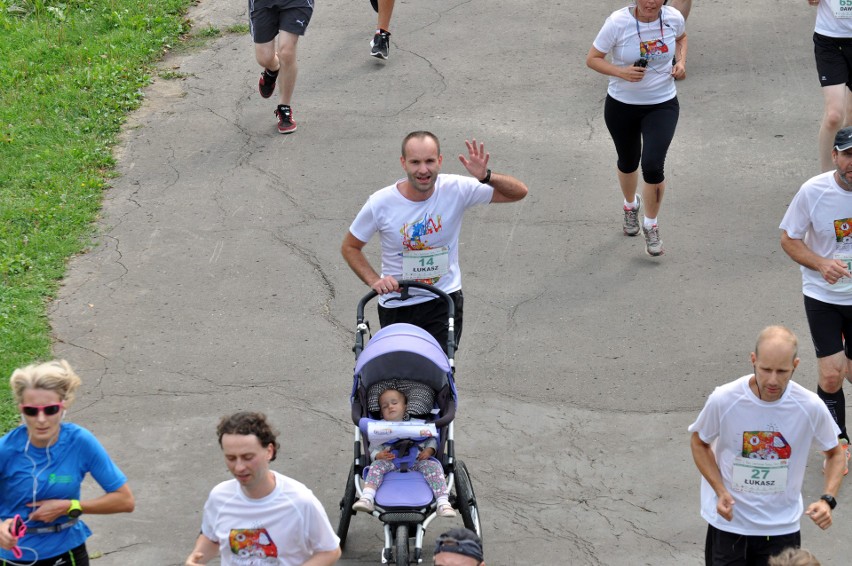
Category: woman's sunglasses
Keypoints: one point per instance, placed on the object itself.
(48, 410)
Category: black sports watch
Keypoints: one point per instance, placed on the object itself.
(485, 180)
(832, 502)
(75, 510)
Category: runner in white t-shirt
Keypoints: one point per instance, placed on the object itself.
(833, 54)
(646, 44)
(418, 220)
(751, 444)
(261, 517)
(817, 234)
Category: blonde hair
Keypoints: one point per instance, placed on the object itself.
(55, 375)
(794, 557)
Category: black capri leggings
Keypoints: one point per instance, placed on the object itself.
(633, 126)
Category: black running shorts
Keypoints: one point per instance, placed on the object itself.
(833, 60)
(831, 326)
(267, 17)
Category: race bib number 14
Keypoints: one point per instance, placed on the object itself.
(426, 264)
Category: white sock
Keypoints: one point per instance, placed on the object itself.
(633, 204)
(444, 500)
(648, 222)
(369, 493)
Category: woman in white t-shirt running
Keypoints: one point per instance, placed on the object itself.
(647, 47)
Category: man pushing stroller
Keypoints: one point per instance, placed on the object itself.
(418, 219)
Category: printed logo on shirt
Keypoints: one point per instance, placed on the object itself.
(413, 234)
(53, 479)
(654, 49)
(252, 543)
(843, 230)
(765, 445)
(415, 239)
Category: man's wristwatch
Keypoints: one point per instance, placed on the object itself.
(832, 502)
(75, 510)
(487, 177)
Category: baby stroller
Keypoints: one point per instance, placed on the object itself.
(407, 358)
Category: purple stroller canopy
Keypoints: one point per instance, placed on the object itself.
(403, 351)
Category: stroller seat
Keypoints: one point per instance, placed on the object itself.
(404, 489)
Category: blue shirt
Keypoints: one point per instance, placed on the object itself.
(58, 472)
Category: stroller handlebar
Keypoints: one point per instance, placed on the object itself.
(404, 286)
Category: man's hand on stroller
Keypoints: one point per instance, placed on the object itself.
(386, 284)
(427, 453)
(385, 455)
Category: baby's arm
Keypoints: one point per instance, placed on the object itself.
(428, 448)
(381, 452)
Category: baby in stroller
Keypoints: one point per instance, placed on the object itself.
(408, 360)
(413, 454)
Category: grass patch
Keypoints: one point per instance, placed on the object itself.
(70, 72)
(207, 32)
(172, 75)
(240, 29)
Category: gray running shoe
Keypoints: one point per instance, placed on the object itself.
(653, 243)
(380, 44)
(631, 218)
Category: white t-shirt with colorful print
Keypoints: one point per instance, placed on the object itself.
(626, 39)
(821, 215)
(762, 450)
(285, 528)
(420, 239)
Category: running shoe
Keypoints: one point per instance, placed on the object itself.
(631, 218)
(286, 125)
(380, 44)
(266, 84)
(653, 243)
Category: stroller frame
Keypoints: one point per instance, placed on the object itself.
(402, 523)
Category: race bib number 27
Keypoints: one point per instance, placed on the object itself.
(759, 476)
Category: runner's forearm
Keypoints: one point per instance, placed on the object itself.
(507, 188)
(352, 251)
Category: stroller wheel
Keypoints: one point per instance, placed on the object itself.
(466, 499)
(402, 545)
(346, 503)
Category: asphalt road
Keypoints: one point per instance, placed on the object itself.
(217, 283)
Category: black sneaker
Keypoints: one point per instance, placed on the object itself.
(286, 125)
(266, 84)
(380, 44)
